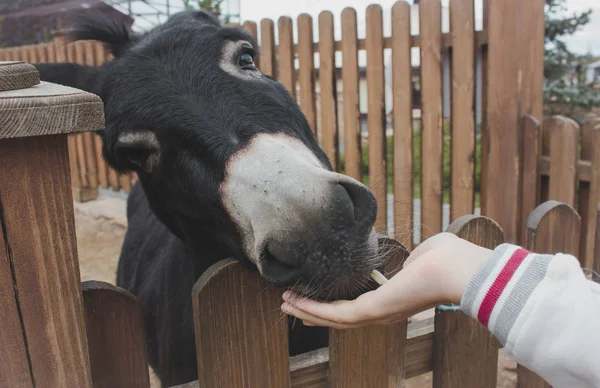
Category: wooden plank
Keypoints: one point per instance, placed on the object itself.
(596, 264)
(267, 47)
(102, 166)
(432, 128)
(529, 168)
(113, 179)
(38, 222)
(372, 356)
(402, 124)
(81, 160)
(51, 51)
(17, 75)
(287, 68)
(352, 140)
(41, 53)
(564, 142)
(465, 354)
(306, 71)
(462, 187)
(251, 28)
(310, 370)
(376, 114)
(328, 92)
(32, 53)
(552, 227)
(248, 334)
(501, 189)
(14, 365)
(115, 334)
(588, 198)
(125, 182)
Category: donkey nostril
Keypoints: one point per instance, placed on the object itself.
(343, 205)
(276, 254)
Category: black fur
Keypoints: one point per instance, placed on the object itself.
(168, 82)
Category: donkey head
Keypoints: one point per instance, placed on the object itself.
(224, 154)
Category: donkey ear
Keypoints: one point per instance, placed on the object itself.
(115, 34)
(137, 151)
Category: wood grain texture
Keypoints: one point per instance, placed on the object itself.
(306, 70)
(484, 105)
(14, 364)
(17, 75)
(552, 227)
(267, 48)
(596, 263)
(38, 218)
(376, 113)
(48, 109)
(352, 140)
(115, 334)
(589, 192)
(239, 330)
(287, 68)
(402, 124)
(530, 174)
(328, 92)
(462, 187)
(465, 354)
(564, 142)
(502, 145)
(372, 356)
(431, 118)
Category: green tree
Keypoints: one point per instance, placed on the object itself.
(213, 6)
(560, 95)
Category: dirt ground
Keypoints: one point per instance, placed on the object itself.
(100, 228)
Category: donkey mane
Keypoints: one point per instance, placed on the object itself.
(115, 34)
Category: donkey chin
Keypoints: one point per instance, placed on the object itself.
(303, 226)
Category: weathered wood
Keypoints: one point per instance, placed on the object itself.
(352, 141)
(310, 370)
(38, 220)
(589, 192)
(287, 68)
(552, 227)
(402, 124)
(465, 354)
(596, 263)
(115, 335)
(267, 47)
(376, 114)
(502, 148)
(484, 104)
(328, 92)
(432, 127)
(245, 306)
(529, 168)
(371, 356)
(564, 142)
(14, 365)
(306, 70)
(462, 188)
(17, 75)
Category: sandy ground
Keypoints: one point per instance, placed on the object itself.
(100, 227)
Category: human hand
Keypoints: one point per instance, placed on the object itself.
(437, 271)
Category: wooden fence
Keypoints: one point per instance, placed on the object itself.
(252, 342)
(334, 112)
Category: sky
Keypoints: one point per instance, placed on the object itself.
(584, 41)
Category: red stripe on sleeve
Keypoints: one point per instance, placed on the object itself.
(493, 294)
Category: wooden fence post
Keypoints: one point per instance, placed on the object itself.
(551, 228)
(564, 142)
(530, 174)
(115, 333)
(352, 139)
(267, 48)
(596, 262)
(306, 70)
(372, 356)
(327, 82)
(589, 192)
(432, 121)
(465, 354)
(241, 334)
(402, 123)
(38, 232)
(287, 67)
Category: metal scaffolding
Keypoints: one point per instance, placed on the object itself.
(149, 13)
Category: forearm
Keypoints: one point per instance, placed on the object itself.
(544, 312)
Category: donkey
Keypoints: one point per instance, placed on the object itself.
(228, 167)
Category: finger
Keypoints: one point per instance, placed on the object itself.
(315, 321)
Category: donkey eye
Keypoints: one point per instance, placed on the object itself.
(246, 62)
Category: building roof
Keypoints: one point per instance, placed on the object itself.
(41, 8)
